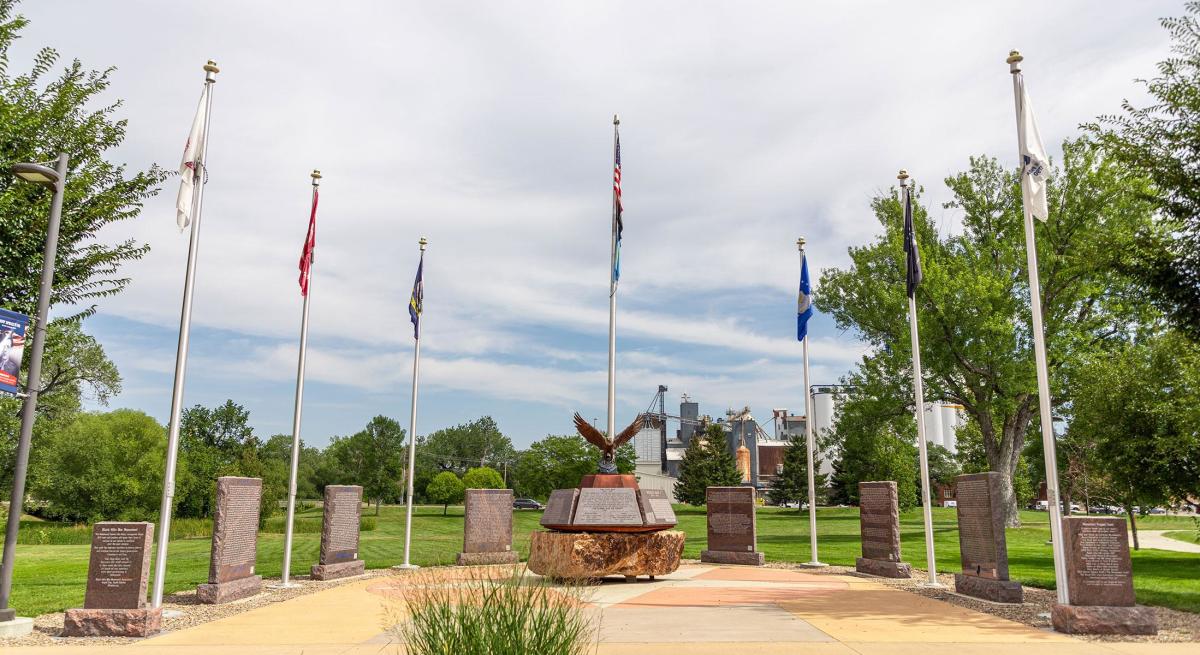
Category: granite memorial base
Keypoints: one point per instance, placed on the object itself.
(215, 593)
(732, 557)
(1104, 620)
(586, 555)
(883, 568)
(125, 622)
(997, 591)
(338, 570)
(486, 559)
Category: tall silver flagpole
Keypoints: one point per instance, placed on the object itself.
(412, 433)
(291, 507)
(919, 393)
(612, 306)
(181, 353)
(815, 561)
(1039, 355)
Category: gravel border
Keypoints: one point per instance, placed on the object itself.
(1173, 625)
(47, 627)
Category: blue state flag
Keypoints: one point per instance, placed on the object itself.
(804, 306)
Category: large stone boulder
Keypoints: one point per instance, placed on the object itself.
(578, 555)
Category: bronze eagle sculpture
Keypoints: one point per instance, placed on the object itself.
(608, 447)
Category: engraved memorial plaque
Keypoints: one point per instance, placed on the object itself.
(561, 507)
(731, 520)
(599, 506)
(879, 521)
(235, 529)
(119, 566)
(1098, 566)
(656, 507)
(487, 526)
(340, 523)
(981, 540)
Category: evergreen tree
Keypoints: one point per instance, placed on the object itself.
(792, 483)
(706, 463)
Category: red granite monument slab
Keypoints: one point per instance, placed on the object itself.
(114, 604)
(656, 507)
(879, 529)
(560, 508)
(732, 528)
(234, 542)
(606, 506)
(487, 528)
(341, 517)
(981, 542)
(1100, 581)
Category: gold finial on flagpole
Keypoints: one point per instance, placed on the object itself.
(210, 71)
(616, 121)
(1014, 61)
(316, 177)
(800, 244)
(903, 177)
(423, 242)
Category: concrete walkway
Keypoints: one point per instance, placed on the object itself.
(699, 610)
(1155, 539)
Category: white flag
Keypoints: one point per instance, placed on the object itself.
(1034, 163)
(193, 158)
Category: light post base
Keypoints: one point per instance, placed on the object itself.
(16, 627)
(814, 565)
(172, 614)
(932, 585)
(285, 585)
(406, 567)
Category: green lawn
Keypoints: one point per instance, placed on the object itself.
(51, 578)
(1186, 536)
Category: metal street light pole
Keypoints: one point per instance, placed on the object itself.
(55, 178)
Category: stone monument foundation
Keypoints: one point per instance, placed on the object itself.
(587, 555)
(879, 527)
(118, 570)
(1100, 581)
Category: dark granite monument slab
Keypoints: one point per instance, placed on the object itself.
(339, 533)
(599, 507)
(732, 531)
(487, 528)
(234, 542)
(560, 507)
(114, 604)
(879, 527)
(981, 540)
(1100, 581)
(656, 507)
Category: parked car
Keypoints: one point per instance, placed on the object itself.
(1158, 510)
(526, 503)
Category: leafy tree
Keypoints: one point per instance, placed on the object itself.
(101, 467)
(482, 477)
(1162, 141)
(792, 483)
(559, 462)
(212, 443)
(477, 443)
(706, 463)
(373, 458)
(1142, 417)
(445, 489)
(973, 306)
(43, 112)
(279, 449)
(942, 466)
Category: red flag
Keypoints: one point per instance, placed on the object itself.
(310, 242)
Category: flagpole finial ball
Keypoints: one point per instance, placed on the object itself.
(903, 175)
(211, 67)
(1014, 57)
(423, 242)
(316, 175)
(616, 121)
(800, 243)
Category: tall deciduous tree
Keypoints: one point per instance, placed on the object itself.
(48, 110)
(559, 462)
(973, 305)
(1162, 141)
(445, 489)
(373, 458)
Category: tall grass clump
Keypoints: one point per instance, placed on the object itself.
(492, 611)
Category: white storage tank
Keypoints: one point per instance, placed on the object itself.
(953, 417)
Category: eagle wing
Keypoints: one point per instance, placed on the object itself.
(590, 433)
(628, 432)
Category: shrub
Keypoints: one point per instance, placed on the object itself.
(483, 477)
(492, 612)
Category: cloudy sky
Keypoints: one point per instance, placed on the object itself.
(486, 127)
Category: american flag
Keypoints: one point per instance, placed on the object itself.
(310, 242)
(618, 205)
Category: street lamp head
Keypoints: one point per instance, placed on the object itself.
(35, 173)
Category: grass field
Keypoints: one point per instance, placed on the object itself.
(1186, 536)
(51, 578)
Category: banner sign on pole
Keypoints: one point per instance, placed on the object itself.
(12, 349)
